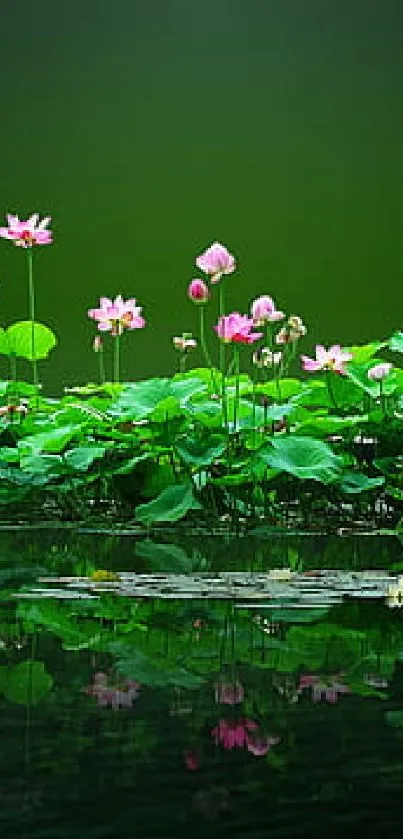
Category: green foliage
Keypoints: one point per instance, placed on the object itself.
(303, 457)
(356, 482)
(25, 683)
(49, 615)
(166, 558)
(365, 352)
(53, 441)
(82, 457)
(17, 340)
(395, 718)
(358, 373)
(171, 505)
(164, 439)
(155, 671)
(395, 342)
(201, 450)
(155, 399)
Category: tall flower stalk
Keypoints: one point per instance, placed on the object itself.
(222, 358)
(99, 349)
(378, 373)
(235, 329)
(265, 313)
(183, 344)
(114, 317)
(198, 292)
(27, 234)
(31, 305)
(236, 372)
(216, 262)
(116, 359)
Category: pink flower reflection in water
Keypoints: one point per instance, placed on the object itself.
(323, 687)
(229, 693)
(114, 696)
(243, 733)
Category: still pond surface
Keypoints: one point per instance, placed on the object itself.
(241, 688)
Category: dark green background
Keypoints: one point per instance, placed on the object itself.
(150, 128)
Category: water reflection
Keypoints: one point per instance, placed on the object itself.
(154, 716)
(236, 709)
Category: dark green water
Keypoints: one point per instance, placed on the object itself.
(149, 129)
(145, 749)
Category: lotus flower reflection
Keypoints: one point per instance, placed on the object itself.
(323, 687)
(229, 693)
(243, 733)
(114, 696)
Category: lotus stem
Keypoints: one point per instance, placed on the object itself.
(236, 370)
(101, 367)
(203, 344)
(222, 359)
(117, 359)
(330, 389)
(31, 305)
(382, 398)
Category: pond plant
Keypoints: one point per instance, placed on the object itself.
(255, 433)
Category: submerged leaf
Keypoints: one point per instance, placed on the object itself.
(167, 558)
(25, 683)
(155, 672)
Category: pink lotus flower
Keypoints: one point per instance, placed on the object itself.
(234, 734)
(229, 693)
(27, 233)
(263, 310)
(122, 696)
(198, 291)
(331, 359)
(329, 688)
(236, 329)
(216, 261)
(115, 316)
(379, 372)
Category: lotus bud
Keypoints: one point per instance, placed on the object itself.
(198, 291)
(184, 342)
(379, 372)
(266, 358)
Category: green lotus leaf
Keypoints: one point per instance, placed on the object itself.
(25, 683)
(303, 457)
(17, 340)
(171, 505)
